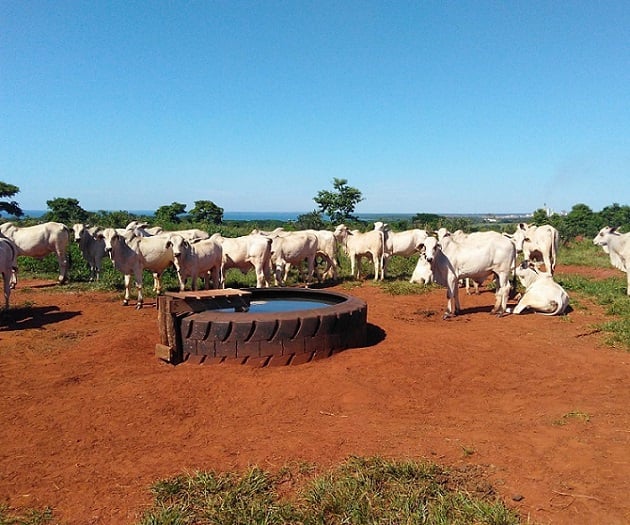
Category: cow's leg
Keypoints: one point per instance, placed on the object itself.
(628, 282)
(139, 290)
(310, 261)
(127, 287)
(502, 294)
(6, 277)
(62, 259)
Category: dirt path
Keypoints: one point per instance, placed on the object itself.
(90, 418)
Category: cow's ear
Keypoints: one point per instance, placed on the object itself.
(522, 226)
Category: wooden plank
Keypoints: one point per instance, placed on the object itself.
(164, 352)
(209, 294)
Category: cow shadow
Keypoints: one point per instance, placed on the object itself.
(28, 317)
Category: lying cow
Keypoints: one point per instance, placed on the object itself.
(542, 293)
(422, 273)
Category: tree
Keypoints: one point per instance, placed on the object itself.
(310, 221)
(170, 213)
(65, 210)
(540, 217)
(11, 207)
(339, 204)
(580, 221)
(207, 211)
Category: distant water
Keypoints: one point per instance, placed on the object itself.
(286, 216)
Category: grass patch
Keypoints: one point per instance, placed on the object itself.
(359, 491)
(611, 294)
(574, 415)
(10, 516)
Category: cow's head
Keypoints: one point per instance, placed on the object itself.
(430, 247)
(602, 238)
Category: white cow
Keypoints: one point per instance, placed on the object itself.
(422, 273)
(617, 246)
(202, 258)
(8, 267)
(542, 293)
(291, 249)
(132, 256)
(460, 235)
(92, 247)
(540, 241)
(40, 240)
(357, 245)
(476, 256)
(403, 244)
(247, 252)
(327, 248)
(142, 229)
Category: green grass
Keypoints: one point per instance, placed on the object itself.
(10, 516)
(359, 491)
(611, 294)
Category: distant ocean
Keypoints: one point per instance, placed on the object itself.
(286, 216)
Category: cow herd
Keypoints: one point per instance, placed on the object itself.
(449, 259)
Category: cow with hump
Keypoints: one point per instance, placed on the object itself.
(40, 240)
(542, 293)
(478, 255)
(133, 255)
(539, 242)
(617, 246)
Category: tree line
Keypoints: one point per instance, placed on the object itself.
(334, 206)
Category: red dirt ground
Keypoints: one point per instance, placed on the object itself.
(90, 418)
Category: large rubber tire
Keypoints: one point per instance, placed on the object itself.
(273, 339)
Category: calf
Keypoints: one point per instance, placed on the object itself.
(422, 273)
(542, 293)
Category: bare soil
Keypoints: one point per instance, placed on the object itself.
(90, 418)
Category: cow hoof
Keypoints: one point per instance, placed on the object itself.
(139, 306)
(125, 302)
(448, 316)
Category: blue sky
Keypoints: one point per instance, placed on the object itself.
(441, 107)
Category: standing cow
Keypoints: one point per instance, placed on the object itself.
(539, 241)
(92, 247)
(617, 246)
(133, 256)
(40, 240)
(476, 256)
(8, 267)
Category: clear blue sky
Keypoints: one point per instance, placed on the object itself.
(425, 106)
